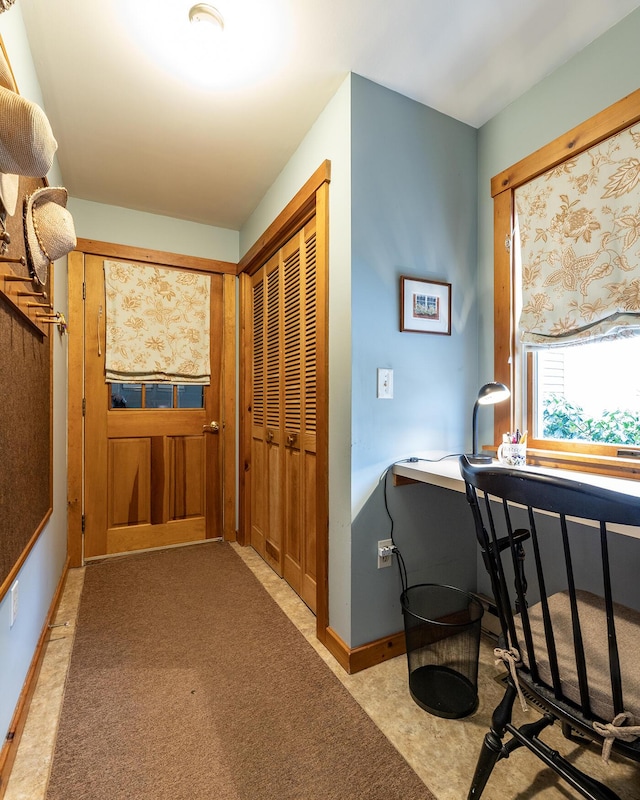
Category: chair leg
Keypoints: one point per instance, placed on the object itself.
(586, 785)
(492, 748)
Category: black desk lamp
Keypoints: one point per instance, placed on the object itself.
(490, 394)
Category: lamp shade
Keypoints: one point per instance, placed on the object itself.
(493, 392)
(489, 394)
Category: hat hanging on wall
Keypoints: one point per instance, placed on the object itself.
(27, 143)
(8, 183)
(48, 229)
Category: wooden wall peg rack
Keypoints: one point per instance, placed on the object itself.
(19, 292)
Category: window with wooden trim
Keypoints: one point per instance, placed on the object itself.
(567, 295)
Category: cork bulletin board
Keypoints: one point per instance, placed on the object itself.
(25, 399)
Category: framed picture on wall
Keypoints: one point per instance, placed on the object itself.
(425, 306)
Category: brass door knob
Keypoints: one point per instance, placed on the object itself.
(212, 427)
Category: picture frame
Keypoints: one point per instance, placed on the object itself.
(425, 306)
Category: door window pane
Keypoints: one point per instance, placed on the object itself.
(190, 397)
(158, 395)
(126, 395)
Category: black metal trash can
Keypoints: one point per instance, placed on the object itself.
(442, 630)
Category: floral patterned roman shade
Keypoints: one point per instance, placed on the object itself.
(157, 323)
(579, 230)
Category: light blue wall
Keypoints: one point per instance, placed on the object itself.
(329, 138)
(414, 212)
(402, 201)
(137, 229)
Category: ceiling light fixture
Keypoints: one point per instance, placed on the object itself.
(203, 13)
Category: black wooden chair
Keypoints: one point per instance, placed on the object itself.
(568, 644)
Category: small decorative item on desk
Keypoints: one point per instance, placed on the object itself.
(513, 450)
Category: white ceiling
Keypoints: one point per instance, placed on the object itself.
(135, 130)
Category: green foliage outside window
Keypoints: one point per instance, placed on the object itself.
(565, 420)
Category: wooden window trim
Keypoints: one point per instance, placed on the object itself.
(584, 458)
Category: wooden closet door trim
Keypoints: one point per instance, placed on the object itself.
(293, 217)
(322, 412)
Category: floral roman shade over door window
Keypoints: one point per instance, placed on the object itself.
(157, 323)
(579, 228)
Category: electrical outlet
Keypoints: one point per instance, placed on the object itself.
(385, 553)
(13, 603)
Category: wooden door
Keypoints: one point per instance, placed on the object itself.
(283, 412)
(152, 474)
(266, 434)
(299, 359)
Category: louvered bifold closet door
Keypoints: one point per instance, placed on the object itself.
(283, 411)
(292, 356)
(258, 494)
(274, 413)
(298, 260)
(266, 504)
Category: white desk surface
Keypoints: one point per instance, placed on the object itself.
(446, 473)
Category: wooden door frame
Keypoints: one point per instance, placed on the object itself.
(75, 379)
(312, 199)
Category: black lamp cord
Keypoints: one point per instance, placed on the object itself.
(401, 565)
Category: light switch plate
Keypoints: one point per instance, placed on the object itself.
(385, 384)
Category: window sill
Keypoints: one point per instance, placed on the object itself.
(605, 466)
